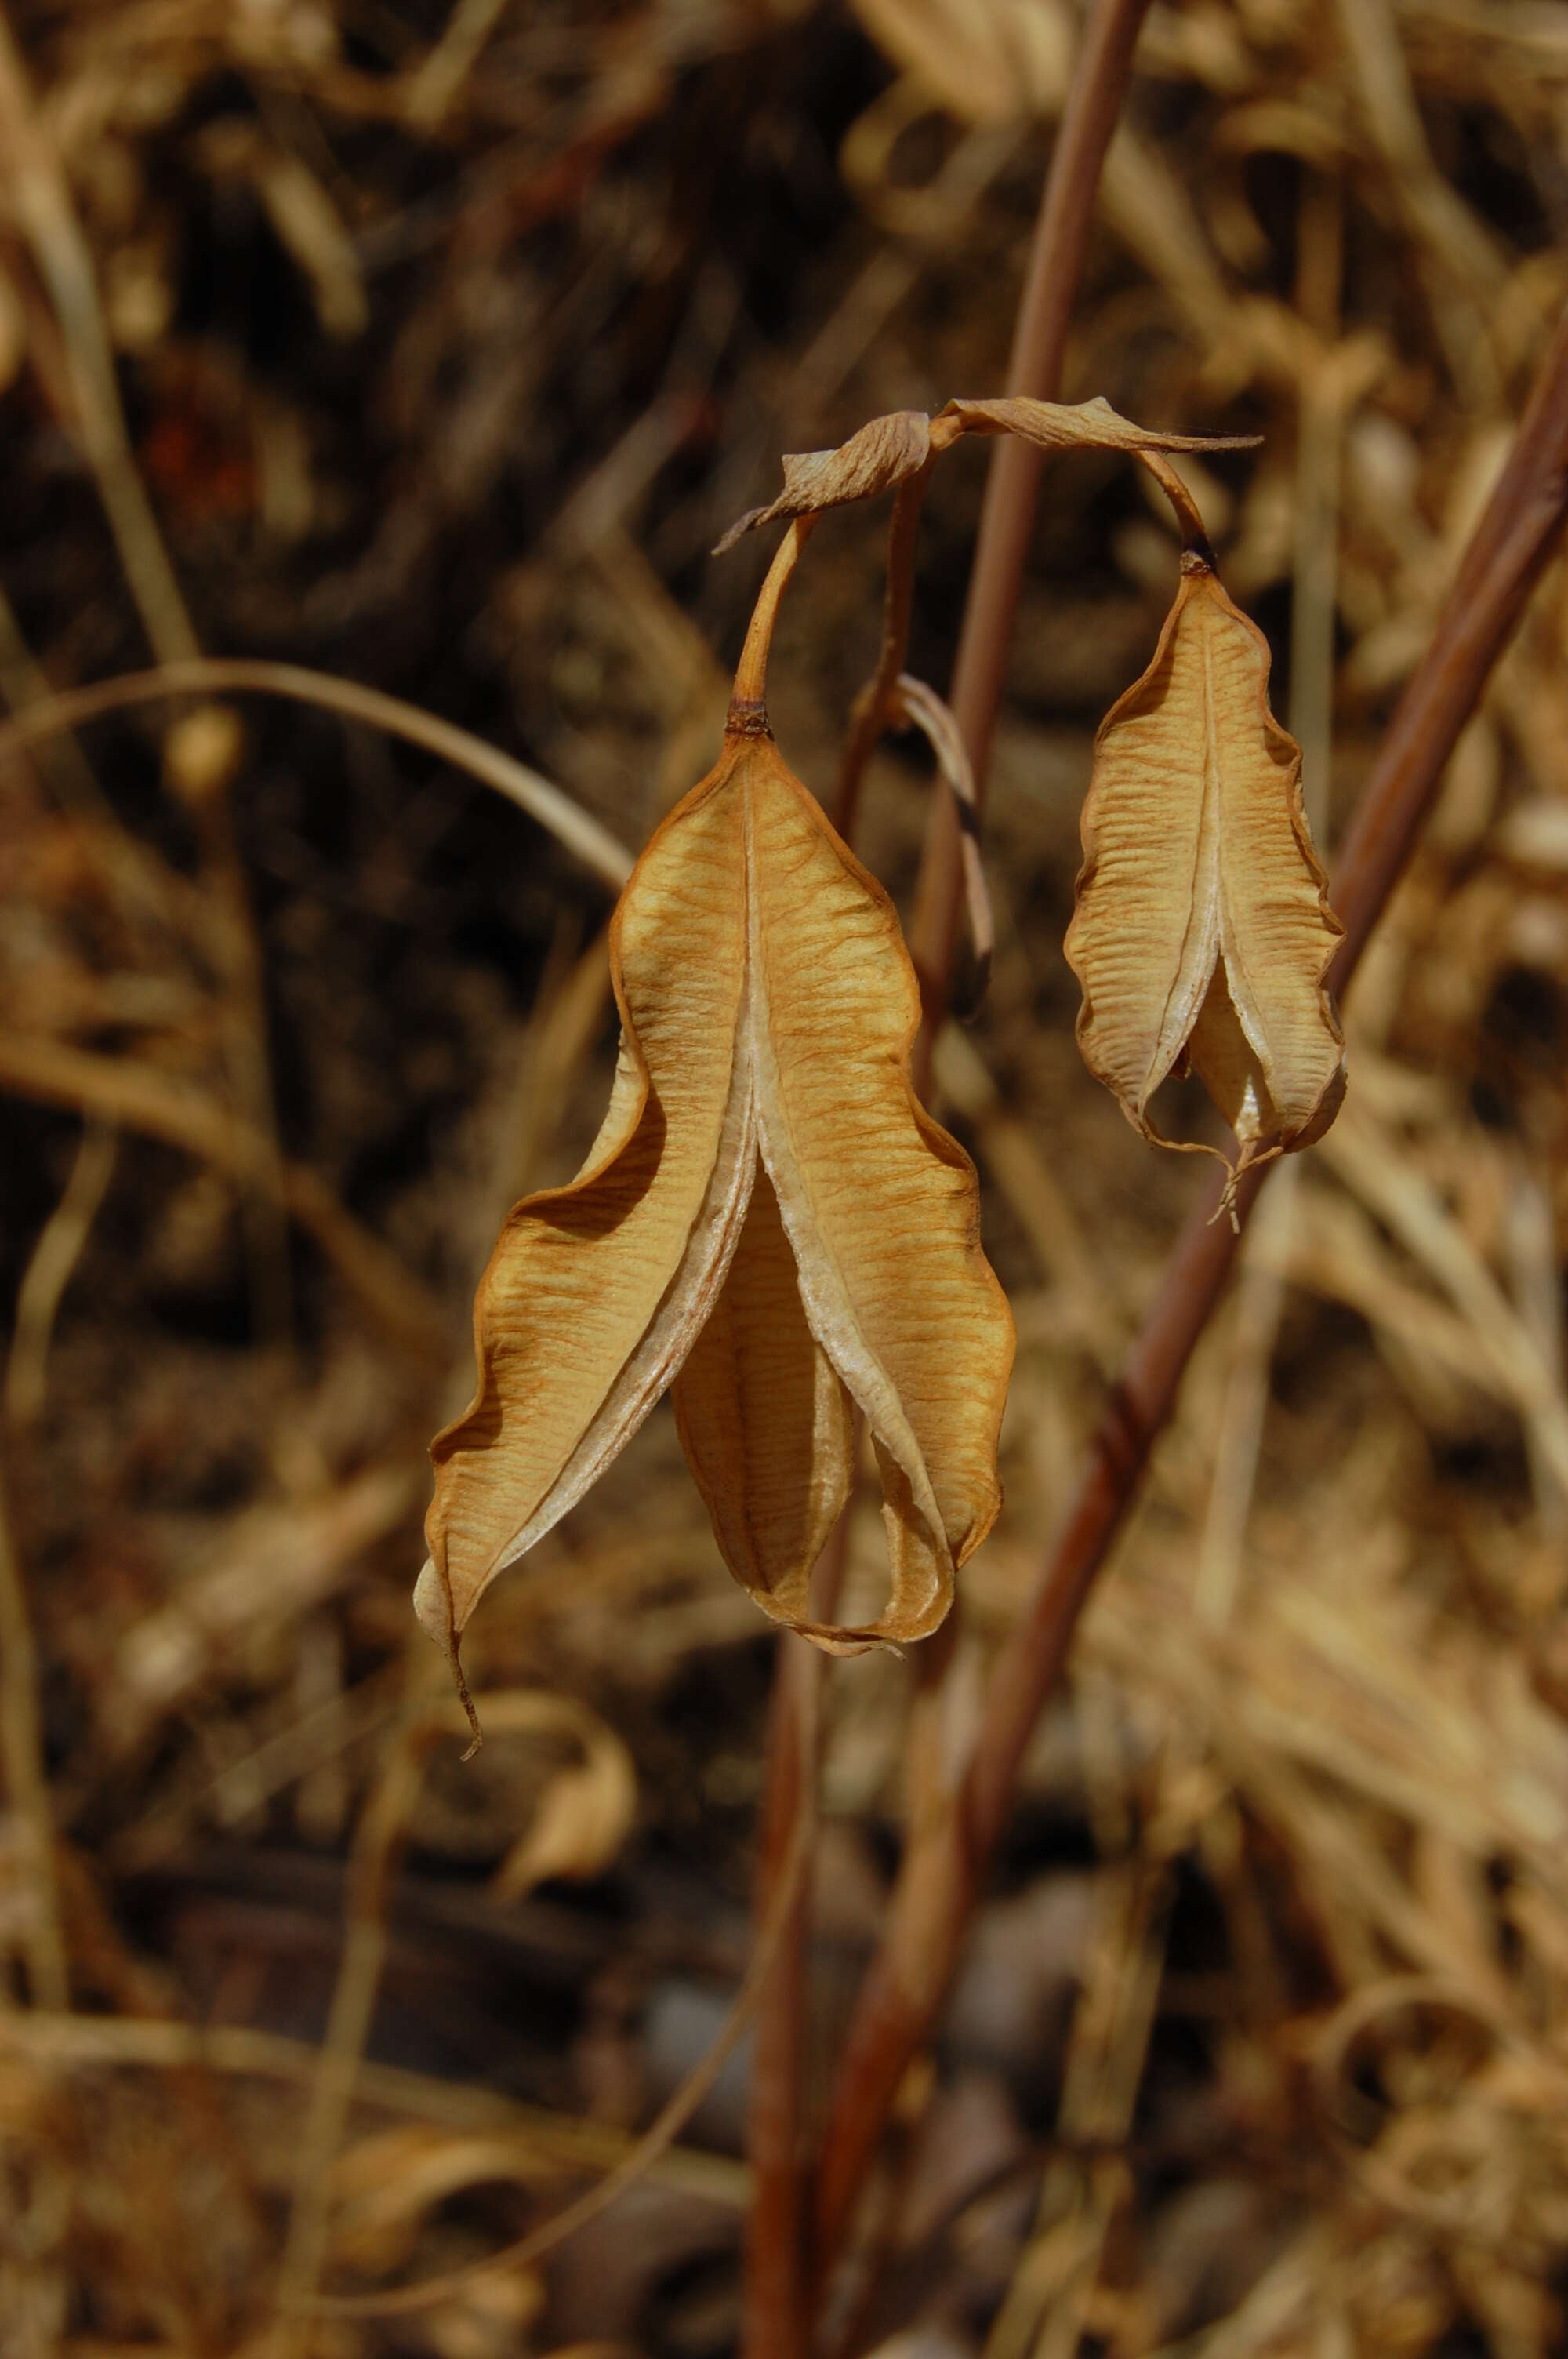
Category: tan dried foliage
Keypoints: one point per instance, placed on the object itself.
(879, 454)
(585, 1810)
(1202, 932)
(1091, 425)
(769, 1222)
(888, 451)
(988, 60)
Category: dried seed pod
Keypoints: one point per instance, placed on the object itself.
(1202, 930)
(769, 1221)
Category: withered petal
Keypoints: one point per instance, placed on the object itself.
(596, 1291)
(765, 1422)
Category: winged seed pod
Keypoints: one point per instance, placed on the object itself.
(769, 1222)
(1202, 932)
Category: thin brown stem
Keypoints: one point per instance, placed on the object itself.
(937, 1892)
(777, 2317)
(26, 1781)
(1189, 523)
(1006, 519)
(778, 2231)
(923, 709)
(873, 708)
(748, 700)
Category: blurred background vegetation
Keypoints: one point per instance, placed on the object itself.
(433, 344)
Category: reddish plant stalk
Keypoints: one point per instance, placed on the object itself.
(781, 2269)
(1012, 484)
(777, 2320)
(942, 1879)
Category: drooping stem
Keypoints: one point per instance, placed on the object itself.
(748, 714)
(1189, 522)
(873, 708)
(940, 1885)
(1007, 518)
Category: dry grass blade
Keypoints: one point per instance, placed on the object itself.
(139, 1097)
(924, 710)
(27, 1782)
(565, 1841)
(56, 1254)
(90, 2044)
(567, 821)
(42, 198)
(654, 2142)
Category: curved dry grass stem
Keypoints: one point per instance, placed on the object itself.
(27, 1784)
(50, 1266)
(923, 709)
(116, 1090)
(655, 2140)
(68, 2044)
(573, 827)
(378, 1847)
(137, 878)
(378, 1843)
(41, 195)
(872, 707)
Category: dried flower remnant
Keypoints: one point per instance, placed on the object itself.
(1201, 933)
(769, 1222)
(769, 1226)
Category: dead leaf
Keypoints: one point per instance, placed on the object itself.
(1203, 930)
(585, 1811)
(890, 449)
(1082, 426)
(884, 452)
(768, 1216)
